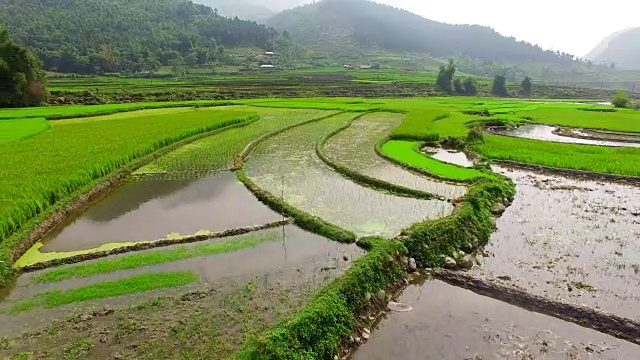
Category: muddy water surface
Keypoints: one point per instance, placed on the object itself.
(545, 132)
(452, 323)
(292, 255)
(290, 159)
(153, 209)
(355, 148)
(578, 241)
(449, 156)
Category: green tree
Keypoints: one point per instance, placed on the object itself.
(21, 76)
(621, 100)
(470, 87)
(445, 77)
(526, 86)
(457, 86)
(499, 87)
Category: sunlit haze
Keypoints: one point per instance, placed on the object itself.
(571, 26)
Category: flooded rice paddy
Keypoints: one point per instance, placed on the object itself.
(291, 255)
(355, 148)
(570, 240)
(155, 209)
(602, 135)
(449, 156)
(453, 323)
(547, 133)
(287, 165)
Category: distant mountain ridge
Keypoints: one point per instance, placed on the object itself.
(332, 25)
(621, 48)
(256, 10)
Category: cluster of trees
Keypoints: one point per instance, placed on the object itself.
(21, 77)
(372, 25)
(448, 84)
(98, 36)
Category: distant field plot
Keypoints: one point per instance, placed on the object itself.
(12, 130)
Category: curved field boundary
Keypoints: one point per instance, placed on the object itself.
(38, 226)
(365, 180)
(151, 245)
(610, 324)
(496, 132)
(583, 174)
(419, 171)
(300, 218)
(560, 131)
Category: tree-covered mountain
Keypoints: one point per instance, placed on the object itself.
(622, 49)
(256, 10)
(345, 24)
(94, 36)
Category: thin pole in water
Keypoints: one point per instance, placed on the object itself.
(284, 242)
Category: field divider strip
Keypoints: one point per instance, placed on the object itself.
(574, 173)
(365, 180)
(139, 108)
(610, 324)
(300, 218)
(151, 245)
(40, 225)
(415, 170)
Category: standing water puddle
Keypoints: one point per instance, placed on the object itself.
(546, 133)
(452, 323)
(153, 209)
(355, 148)
(449, 156)
(290, 159)
(572, 240)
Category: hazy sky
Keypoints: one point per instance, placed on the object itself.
(571, 26)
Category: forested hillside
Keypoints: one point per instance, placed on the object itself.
(338, 25)
(257, 10)
(621, 49)
(95, 36)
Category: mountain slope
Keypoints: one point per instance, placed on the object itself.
(257, 10)
(621, 48)
(360, 23)
(93, 36)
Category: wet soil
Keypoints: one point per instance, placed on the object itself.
(571, 240)
(453, 323)
(355, 148)
(154, 209)
(290, 159)
(547, 133)
(292, 251)
(449, 156)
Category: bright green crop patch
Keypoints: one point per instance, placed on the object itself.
(139, 260)
(612, 160)
(38, 172)
(108, 289)
(404, 151)
(14, 130)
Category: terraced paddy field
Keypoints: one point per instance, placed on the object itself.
(169, 230)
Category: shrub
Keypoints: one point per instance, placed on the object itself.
(621, 100)
(475, 135)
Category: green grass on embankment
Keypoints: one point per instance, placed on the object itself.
(14, 130)
(406, 153)
(108, 289)
(134, 261)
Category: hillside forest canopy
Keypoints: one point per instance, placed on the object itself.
(21, 76)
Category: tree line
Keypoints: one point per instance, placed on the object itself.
(21, 77)
(100, 36)
(447, 82)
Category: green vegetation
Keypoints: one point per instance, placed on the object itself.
(407, 152)
(79, 36)
(526, 87)
(611, 160)
(445, 78)
(108, 289)
(13, 130)
(621, 100)
(21, 74)
(79, 154)
(134, 261)
(316, 330)
(499, 87)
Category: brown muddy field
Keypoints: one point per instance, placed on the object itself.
(547, 133)
(292, 251)
(570, 240)
(153, 209)
(290, 159)
(452, 323)
(354, 147)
